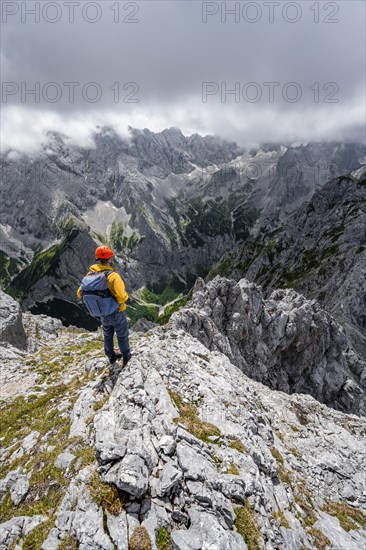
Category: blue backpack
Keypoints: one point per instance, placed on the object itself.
(96, 295)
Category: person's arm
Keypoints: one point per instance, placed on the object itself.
(117, 288)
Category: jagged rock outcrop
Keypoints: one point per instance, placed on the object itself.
(192, 487)
(11, 326)
(305, 169)
(18, 527)
(180, 448)
(321, 253)
(285, 341)
(143, 325)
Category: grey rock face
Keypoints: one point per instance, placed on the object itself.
(17, 527)
(80, 517)
(190, 484)
(117, 527)
(17, 483)
(320, 252)
(143, 325)
(64, 460)
(82, 410)
(286, 341)
(167, 444)
(131, 475)
(11, 326)
(338, 538)
(39, 328)
(191, 442)
(303, 170)
(168, 479)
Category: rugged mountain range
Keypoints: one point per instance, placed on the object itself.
(239, 424)
(182, 450)
(170, 205)
(320, 252)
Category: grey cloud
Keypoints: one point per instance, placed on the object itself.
(170, 52)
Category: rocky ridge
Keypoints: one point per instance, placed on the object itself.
(180, 449)
(321, 253)
(170, 205)
(287, 342)
(11, 326)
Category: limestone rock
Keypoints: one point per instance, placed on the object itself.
(286, 341)
(16, 527)
(17, 483)
(11, 325)
(64, 460)
(186, 441)
(130, 475)
(169, 478)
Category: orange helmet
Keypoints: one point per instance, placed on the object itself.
(103, 253)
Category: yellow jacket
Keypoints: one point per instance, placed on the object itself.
(115, 284)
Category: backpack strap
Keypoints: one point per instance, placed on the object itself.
(106, 273)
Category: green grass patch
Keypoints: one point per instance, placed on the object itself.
(167, 295)
(106, 495)
(69, 543)
(136, 311)
(43, 263)
(348, 517)
(294, 428)
(36, 538)
(163, 539)
(280, 436)
(284, 474)
(233, 469)
(6, 507)
(83, 348)
(321, 542)
(14, 418)
(99, 404)
(279, 515)
(190, 419)
(294, 452)
(86, 455)
(140, 540)
(277, 455)
(246, 526)
(9, 267)
(47, 484)
(146, 302)
(307, 508)
(334, 233)
(172, 308)
(237, 445)
(119, 241)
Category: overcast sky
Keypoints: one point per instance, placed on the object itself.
(157, 64)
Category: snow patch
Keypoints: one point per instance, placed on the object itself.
(103, 214)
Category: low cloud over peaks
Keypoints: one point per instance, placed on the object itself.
(292, 72)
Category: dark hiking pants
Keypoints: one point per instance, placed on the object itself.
(116, 323)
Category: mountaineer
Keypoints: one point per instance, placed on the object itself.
(104, 295)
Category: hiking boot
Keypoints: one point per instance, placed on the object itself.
(126, 359)
(114, 357)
